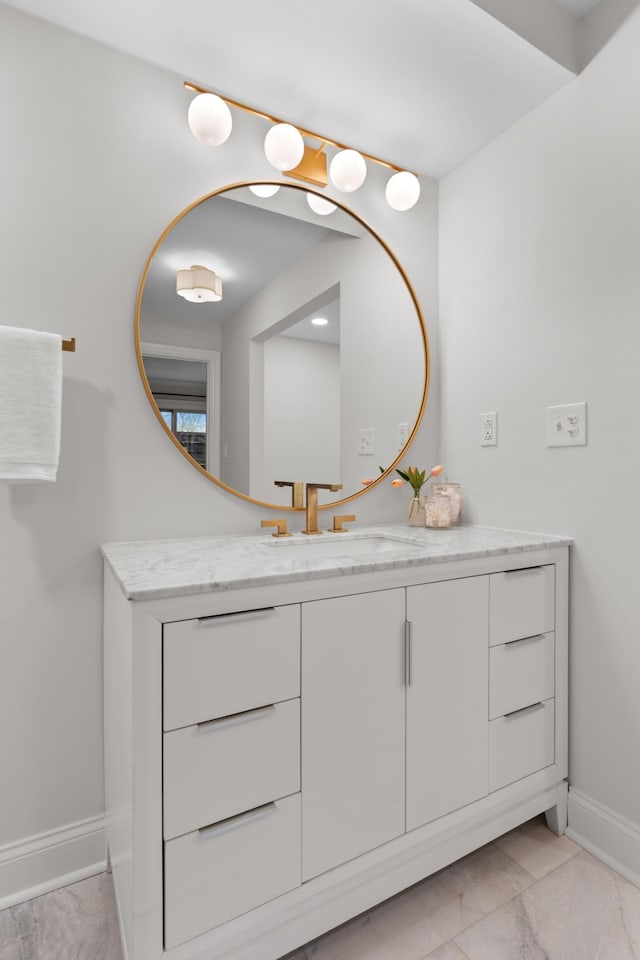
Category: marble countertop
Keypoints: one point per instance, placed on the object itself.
(153, 569)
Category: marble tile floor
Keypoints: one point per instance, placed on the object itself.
(528, 896)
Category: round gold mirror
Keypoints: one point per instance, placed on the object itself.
(278, 345)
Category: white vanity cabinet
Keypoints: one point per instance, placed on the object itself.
(522, 687)
(281, 756)
(353, 726)
(447, 697)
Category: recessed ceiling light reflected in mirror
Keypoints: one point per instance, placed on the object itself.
(319, 321)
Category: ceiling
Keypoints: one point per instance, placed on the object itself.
(421, 83)
(247, 242)
(245, 246)
(577, 7)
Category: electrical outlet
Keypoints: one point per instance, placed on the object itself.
(488, 429)
(366, 441)
(567, 425)
(403, 435)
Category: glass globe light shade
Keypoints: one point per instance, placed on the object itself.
(209, 119)
(264, 190)
(348, 170)
(320, 205)
(284, 146)
(402, 191)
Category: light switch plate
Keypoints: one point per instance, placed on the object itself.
(567, 425)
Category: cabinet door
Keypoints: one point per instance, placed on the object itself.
(353, 721)
(447, 697)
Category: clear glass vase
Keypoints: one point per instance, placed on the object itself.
(415, 511)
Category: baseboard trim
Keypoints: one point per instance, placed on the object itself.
(604, 833)
(39, 864)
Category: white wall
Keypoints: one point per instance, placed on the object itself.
(540, 305)
(381, 358)
(301, 412)
(181, 332)
(97, 159)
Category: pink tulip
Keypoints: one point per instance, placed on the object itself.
(366, 481)
(436, 471)
(397, 482)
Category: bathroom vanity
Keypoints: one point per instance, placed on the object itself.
(298, 729)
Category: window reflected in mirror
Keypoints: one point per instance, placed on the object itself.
(179, 387)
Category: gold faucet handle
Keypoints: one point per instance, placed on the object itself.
(339, 520)
(280, 524)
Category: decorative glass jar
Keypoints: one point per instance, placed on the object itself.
(454, 492)
(437, 510)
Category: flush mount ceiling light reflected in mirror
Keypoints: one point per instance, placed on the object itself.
(198, 284)
(286, 150)
(320, 321)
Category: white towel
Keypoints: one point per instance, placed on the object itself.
(30, 404)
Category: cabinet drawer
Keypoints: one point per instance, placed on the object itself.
(225, 766)
(521, 672)
(520, 744)
(217, 666)
(215, 874)
(522, 603)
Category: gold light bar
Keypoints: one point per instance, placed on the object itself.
(305, 133)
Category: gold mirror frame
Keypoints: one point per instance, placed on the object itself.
(145, 382)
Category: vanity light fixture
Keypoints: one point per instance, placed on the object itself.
(319, 205)
(209, 119)
(284, 146)
(348, 170)
(402, 190)
(286, 151)
(198, 284)
(264, 190)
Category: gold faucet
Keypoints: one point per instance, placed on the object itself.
(312, 504)
(297, 494)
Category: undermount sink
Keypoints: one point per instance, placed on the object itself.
(365, 548)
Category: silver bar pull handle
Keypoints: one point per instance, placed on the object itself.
(408, 653)
(240, 615)
(530, 709)
(234, 823)
(221, 723)
(536, 636)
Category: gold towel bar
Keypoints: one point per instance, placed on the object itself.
(69, 345)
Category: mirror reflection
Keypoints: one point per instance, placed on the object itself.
(295, 351)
